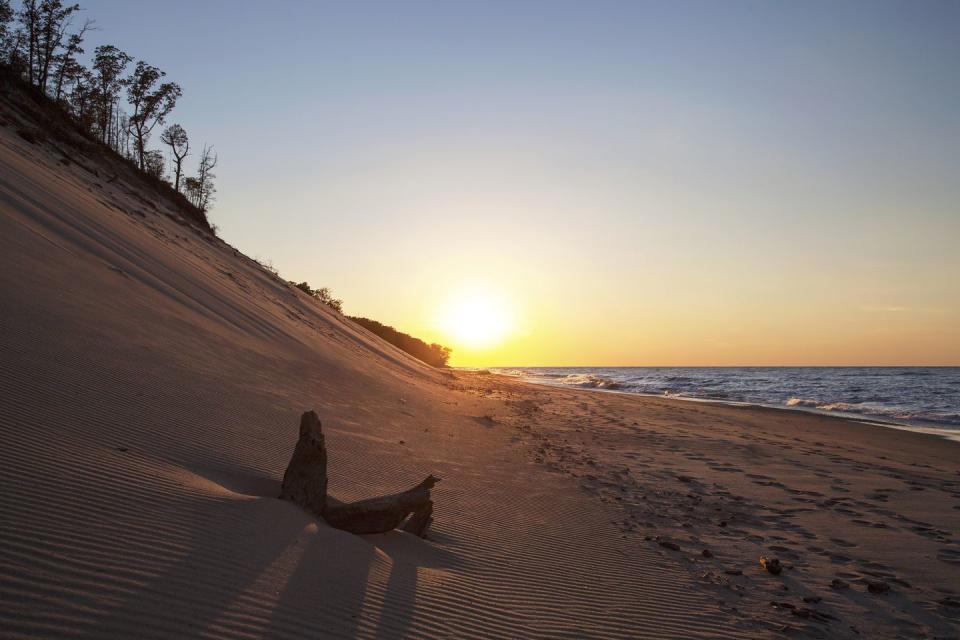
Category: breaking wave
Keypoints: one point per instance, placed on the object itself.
(872, 410)
(917, 396)
(590, 381)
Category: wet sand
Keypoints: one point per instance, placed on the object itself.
(832, 499)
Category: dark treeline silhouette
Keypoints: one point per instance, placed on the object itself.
(41, 43)
(119, 104)
(433, 354)
(322, 294)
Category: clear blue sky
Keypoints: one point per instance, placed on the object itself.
(723, 182)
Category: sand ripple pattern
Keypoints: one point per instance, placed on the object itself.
(150, 382)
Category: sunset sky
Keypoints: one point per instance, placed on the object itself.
(679, 183)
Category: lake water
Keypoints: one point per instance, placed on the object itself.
(925, 398)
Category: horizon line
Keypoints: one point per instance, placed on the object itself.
(716, 366)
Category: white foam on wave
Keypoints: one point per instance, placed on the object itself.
(890, 395)
(590, 380)
(884, 413)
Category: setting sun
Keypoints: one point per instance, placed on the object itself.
(645, 286)
(476, 319)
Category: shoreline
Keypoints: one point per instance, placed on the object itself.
(950, 433)
(142, 465)
(716, 486)
(142, 461)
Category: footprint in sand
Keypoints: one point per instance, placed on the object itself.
(770, 483)
(842, 543)
(725, 468)
(932, 533)
(878, 570)
(950, 556)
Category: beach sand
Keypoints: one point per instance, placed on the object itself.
(151, 380)
(832, 499)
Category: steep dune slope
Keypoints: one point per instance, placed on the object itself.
(150, 383)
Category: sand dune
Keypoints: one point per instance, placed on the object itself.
(151, 378)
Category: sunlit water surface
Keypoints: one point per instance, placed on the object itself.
(921, 398)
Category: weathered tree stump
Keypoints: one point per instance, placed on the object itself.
(305, 484)
(305, 480)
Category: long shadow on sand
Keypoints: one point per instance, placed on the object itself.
(218, 579)
(400, 554)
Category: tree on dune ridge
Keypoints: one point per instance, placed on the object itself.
(109, 63)
(151, 103)
(40, 48)
(435, 355)
(67, 66)
(176, 138)
(322, 294)
(200, 189)
(54, 20)
(6, 17)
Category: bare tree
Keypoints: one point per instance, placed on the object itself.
(122, 135)
(41, 50)
(67, 65)
(15, 49)
(6, 17)
(6, 37)
(53, 21)
(108, 65)
(81, 97)
(151, 103)
(175, 137)
(30, 19)
(205, 175)
(200, 190)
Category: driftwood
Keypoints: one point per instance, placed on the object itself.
(386, 512)
(305, 480)
(305, 484)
